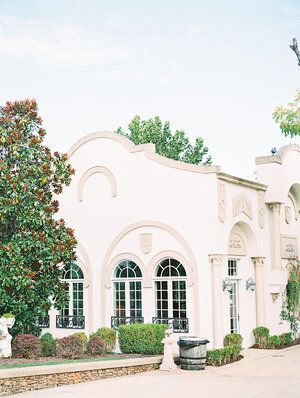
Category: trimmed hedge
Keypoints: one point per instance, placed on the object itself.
(96, 346)
(142, 338)
(109, 337)
(48, 344)
(261, 335)
(26, 346)
(222, 356)
(70, 347)
(233, 339)
(264, 340)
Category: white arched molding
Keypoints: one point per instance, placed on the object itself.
(116, 260)
(149, 150)
(94, 170)
(170, 254)
(191, 261)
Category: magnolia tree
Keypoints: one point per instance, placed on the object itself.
(175, 145)
(33, 243)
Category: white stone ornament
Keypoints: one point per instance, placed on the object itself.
(168, 363)
(221, 200)
(241, 204)
(5, 343)
(146, 243)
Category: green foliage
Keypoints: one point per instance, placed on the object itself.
(261, 335)
(289, 117)
(175, 145)
(222, 356)
(82, 336)
(290, 307)
(108, 335)
(273, 342)
(33, 243)
(142, 338)
(48, 344)
(233, 339)
(26, 346)
(7, 315)
(96, 345)
(286, 339)
(70, 347)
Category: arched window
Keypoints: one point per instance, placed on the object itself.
(72, 315)
(170, 294)
(127, 290)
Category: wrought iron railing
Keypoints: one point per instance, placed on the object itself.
(42, 321)
(178, 325)
(70, 322)
(116, 321)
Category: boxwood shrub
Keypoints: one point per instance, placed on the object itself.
(222, 356)
(233, 339)
(261, 335)
(48, 344)
(142, 338)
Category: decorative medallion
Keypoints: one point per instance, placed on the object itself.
(287, 213)
(146, 243)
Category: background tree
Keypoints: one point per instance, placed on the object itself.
(289, 117)
(33, 244)
(175, 146)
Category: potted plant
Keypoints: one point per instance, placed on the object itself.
(10, 319)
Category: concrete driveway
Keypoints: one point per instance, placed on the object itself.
(262, 373)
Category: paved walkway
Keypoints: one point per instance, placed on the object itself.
(262, 373)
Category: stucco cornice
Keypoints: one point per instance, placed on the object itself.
(241, 181)
(149, 150)
(279, 156)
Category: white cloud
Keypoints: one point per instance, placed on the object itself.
(59, 45)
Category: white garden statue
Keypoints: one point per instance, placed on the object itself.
(5, 337)
(168, 360)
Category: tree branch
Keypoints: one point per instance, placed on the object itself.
(295, 48)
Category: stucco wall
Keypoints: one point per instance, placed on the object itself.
(121, 191)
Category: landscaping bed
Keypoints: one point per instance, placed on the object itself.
(8, 363)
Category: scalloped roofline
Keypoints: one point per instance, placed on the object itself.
(279, 156)
(149, 150)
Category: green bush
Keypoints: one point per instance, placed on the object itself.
(222, 356)
(286, 338)
(261, 335)
(82, 336)
(70, 347)
(233, 339)
(142, 338)
(109, 336)
(273, 342)
(48, 344)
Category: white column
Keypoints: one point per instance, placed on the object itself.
(259, 290)
(276, 239)
(216, 260)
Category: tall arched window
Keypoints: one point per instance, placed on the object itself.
(127, 293)
(170, 295)
(72, 315)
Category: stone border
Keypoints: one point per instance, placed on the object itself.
(19, 380)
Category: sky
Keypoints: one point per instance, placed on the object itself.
(216, 69)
